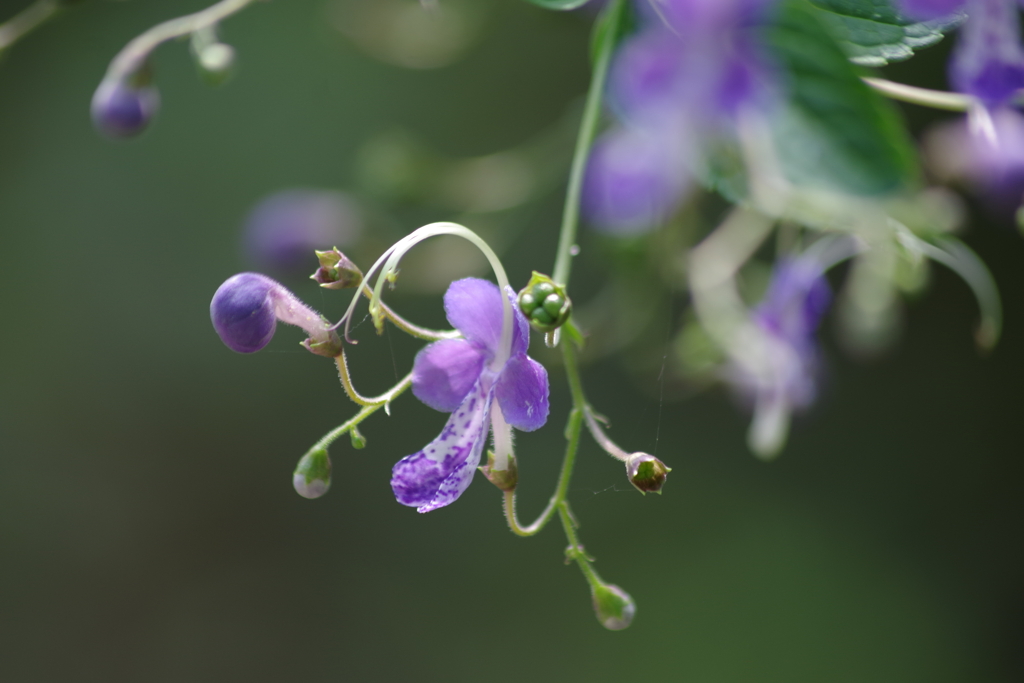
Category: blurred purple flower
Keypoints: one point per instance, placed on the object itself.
(676, 85)
(284, 229)
(780, 375)
(988, 61)
(925, 10)
(991, 164)
(459, 376)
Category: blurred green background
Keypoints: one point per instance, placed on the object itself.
(148, 527)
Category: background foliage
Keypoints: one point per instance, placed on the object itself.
(148, 529)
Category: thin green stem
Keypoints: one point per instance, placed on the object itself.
(572, 435)
(364, 413)
(131, 59)
(575, 550)
(588, 130)
(409, 328)
(28, 20)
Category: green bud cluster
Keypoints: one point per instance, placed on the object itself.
(544, 303)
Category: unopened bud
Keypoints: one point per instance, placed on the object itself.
(358, 440)
(505, 479)
(336, 271)
(313, 474)
(614, 607)
(216, 63)
(544, 303)
(123, 110)
(646, 472)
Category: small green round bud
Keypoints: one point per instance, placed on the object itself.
(544, 303)
(646, 473)
(216, 63)
(614, 607)
(313, 474)
(542, 289)
(358, 440)
(553, 305)
(541, 317)
(527, 302)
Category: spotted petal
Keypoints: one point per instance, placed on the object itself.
(438, 474)
(474, 308)
(522, 393)
(445, 371)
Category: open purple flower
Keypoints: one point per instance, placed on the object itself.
(466, 377)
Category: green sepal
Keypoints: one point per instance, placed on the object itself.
(505, 479)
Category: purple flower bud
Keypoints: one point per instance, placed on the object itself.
(989, 60)
(120, 110)
(246, 308)
(284, 229)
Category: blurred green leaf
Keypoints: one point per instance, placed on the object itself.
(559, 4)
(837, 131)
(873, 33)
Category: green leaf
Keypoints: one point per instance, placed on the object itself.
(837, 131)
(872, 32)
(559, 4)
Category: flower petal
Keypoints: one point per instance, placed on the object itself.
(522, 393)
(445, 371)
(438, 474)
(474, 308)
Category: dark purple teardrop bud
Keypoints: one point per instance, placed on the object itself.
(120, 110)
(243, 313)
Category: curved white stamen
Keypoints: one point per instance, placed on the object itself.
(388, 265)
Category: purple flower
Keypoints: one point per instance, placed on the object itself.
(284, 229)
(120, 110)
(677, 85)
(461, 377)
(779, 373)
(246, 308)
(634, 181)
(991, 162)
(924, 10)
(989, 60)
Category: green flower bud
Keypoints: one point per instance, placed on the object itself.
(646, 473)
(216, 63)
(336, 270)
(313, 474)
(358, 440)
(614, 607)
(544, 303)
(505, 479)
